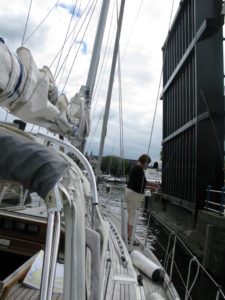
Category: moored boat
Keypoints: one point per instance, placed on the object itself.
(106, 269)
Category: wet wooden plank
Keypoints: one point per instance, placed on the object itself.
(32, 294)
(35, 295)
(21, 292)
(129, 291)
(29, 294)
(57, 297)
(16, 293)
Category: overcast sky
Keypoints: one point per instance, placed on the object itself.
(145, 27)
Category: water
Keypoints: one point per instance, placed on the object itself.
(156, 236)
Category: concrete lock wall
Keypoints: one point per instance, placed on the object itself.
(204, 235)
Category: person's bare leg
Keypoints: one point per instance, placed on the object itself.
(130, 228)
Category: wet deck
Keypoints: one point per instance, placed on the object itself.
(148, 285)
(21, 292)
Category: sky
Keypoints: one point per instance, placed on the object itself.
(144, 30)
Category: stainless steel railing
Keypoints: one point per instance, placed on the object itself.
(170, 262)
(211, 204)
(79, 156)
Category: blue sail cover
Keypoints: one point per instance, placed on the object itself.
(36, 167)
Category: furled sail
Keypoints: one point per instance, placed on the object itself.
(30, 94)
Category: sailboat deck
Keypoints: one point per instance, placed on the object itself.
(21, 292)
(122, 283)
(150, 287)
(128, 291)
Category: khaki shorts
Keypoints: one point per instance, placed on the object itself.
(132, 199)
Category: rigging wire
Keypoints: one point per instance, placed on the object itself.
(121, 116)
(25, 29)
(57, 53)
(55, 121)
(157, 100)
(159, 86)
(79, 47)
(121, 128)
(131, 31)
(43, 20)
(71, 43)
(89, 146)
(102, 67)
(72, 32)
(213, 127)
(101, 73)
(120, 97)
(68, 28)
(108, 170)
(100, 78)
(128, 41)
(111, 80)
(77, 36)
(121, 165)
(61, 50)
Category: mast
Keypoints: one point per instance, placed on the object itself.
(86, 91)
(96, 51)
(109, 94)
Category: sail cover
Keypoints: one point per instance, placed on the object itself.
(30, 93)
(36, 167)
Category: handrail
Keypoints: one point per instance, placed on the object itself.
(221, 205)
(172, 259)
(47, 257)
(74, 258)
(55, 246)
(82, 159)
(51, 250)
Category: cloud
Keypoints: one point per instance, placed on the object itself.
(84, 46)
(10, 32)
(71, 9)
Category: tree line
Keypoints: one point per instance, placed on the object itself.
(115, 166)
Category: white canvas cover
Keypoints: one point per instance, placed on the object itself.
(30, 94)
(80, 113)
(34, 99)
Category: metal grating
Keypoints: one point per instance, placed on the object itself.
(193, 104)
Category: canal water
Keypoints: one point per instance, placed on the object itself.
(156, 236)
